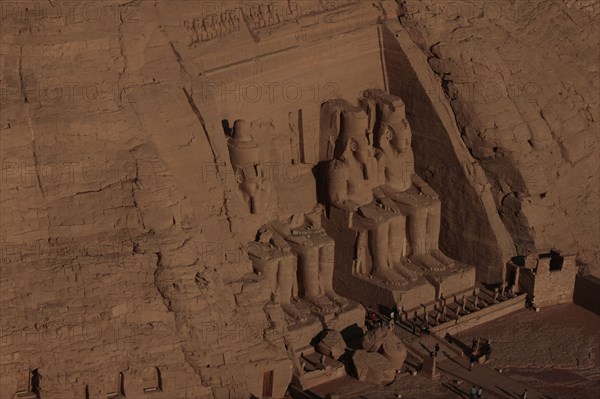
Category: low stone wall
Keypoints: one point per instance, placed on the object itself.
(549, 277)
(482, 316)
(587, 292)
(552, 287)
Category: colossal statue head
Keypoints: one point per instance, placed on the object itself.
(397, 134)
(242, 131)
(393, 127)
(352, 139)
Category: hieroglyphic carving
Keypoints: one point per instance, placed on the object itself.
(263, 15)
(213, 26)
(270, 14)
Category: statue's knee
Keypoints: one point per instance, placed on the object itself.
(417, 212)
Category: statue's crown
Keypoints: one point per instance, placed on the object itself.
(241, 131)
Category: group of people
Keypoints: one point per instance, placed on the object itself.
(434, 352)
(475, 393)
(374, 320)
(423, 329)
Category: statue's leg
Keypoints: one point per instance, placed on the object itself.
(309, 261)
(397, 238)
(268, 270)
(327, 265)
(417, 236)
(378, 244)
(417, 230)
(397, 245)
(361, 247)
(434, 216)
(379, 247)
(285, 278)
(309, 266)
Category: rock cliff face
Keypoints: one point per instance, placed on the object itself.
(122, 245)
(109, 263)
(522, 79)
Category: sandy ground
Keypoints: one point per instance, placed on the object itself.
(556, 351)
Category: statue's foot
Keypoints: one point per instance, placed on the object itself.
(429, 262)
(446, 261)
(389, 276)
(405, 272)
(335, 298)
(293, 312)
(322, 302)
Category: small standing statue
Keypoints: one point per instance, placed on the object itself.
(244, 156)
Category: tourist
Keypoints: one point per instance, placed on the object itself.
(471, 361)
(396, 313)
(425, 327)
(479, 393)
(437, 349)
(524, 396)
(373, 318)
(474, 345)
(473, 392)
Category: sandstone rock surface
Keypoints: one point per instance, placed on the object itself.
(332, 344)
(522, 79)
(124, 241)
(373, 367)
(386, 342)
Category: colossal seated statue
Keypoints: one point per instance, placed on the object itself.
(292, 253)
(353, 178)
(415, 199)
(315, 252)
(273, 259)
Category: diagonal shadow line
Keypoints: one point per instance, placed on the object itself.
(424, 347)
(455, 389)
(454, 360)
(510, 394)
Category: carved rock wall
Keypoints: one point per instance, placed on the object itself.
(122, 232)
(522, 78)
